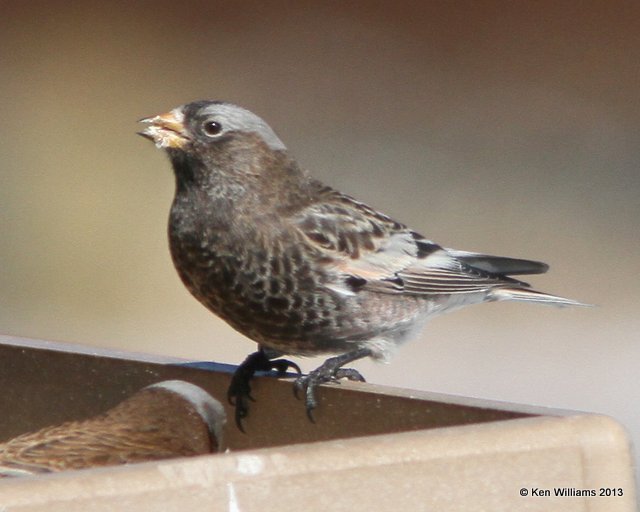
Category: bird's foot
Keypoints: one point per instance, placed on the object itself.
(330, 371)
(239, 392)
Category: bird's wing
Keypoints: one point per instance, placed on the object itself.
(369, 249)
(79, 444)
(499, 264)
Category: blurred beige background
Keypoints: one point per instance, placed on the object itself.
(505, 127)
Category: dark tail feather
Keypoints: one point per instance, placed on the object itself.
(499, 264)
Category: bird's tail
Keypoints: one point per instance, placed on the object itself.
(526, 295)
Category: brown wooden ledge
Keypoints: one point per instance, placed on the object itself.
(436, 452)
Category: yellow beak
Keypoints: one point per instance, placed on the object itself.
(166, 130)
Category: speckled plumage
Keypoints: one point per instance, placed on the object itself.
(297, 266)
(168, 419)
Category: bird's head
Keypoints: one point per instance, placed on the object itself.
(214, 143)
(203, 125)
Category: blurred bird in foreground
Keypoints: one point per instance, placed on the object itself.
(168, 419)
(299, 267)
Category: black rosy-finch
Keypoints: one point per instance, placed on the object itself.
(299, 267)
(169, 419)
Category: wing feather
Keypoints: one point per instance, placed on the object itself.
(359, 242)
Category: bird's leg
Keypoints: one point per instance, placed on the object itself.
(329, 371)
(239, 392)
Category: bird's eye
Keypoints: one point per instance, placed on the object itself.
(212, 128)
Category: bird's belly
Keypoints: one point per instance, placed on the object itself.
(275, 304)
(286, 307)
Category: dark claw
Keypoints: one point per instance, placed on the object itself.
(240, 414)
(282, 365)
(239, 392)
(308, 384)
(329, 371)
(239, 395)
(298, 386)
(310, 402)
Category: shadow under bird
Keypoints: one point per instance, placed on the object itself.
(299, 267)
(168, 419)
